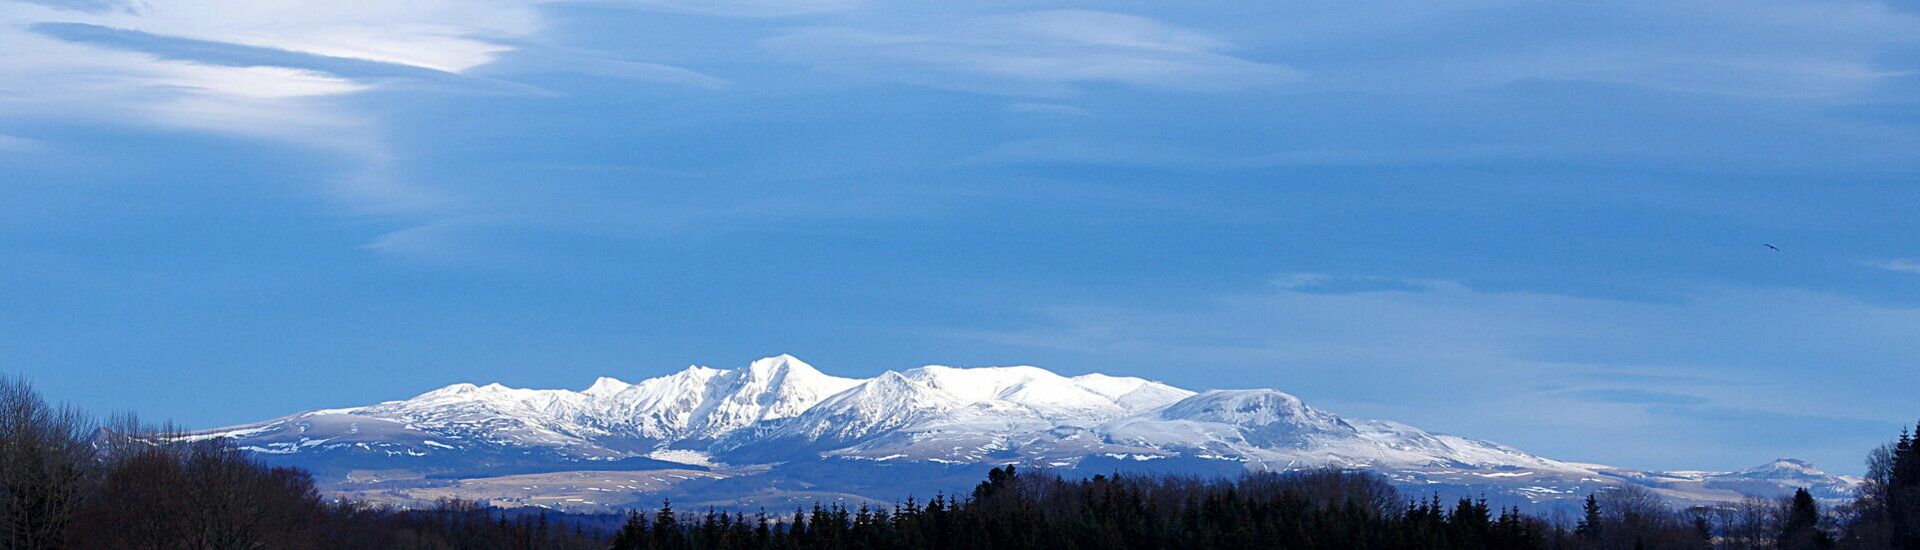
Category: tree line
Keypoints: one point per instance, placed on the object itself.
(1314, 509)
(70, 482)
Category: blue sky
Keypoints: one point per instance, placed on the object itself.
(1534, 223)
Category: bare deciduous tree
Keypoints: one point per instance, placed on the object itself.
(46, 467)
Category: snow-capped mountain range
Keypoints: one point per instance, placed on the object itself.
(781, 412)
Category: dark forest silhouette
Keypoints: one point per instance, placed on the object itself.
(70, 482)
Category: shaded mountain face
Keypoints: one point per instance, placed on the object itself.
(781, 429)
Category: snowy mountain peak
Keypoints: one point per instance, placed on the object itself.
(783, 373)
(780, 362)
(452, 389)
(606, 386)
(1111, 386)
(1133, 394)
(1251, 408)
(1784, 467)
(867, 408)
(768, 389)
(1790, 463)
(983, 383)
(891, 388)
(696, 371)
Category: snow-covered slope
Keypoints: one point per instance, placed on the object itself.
(782, 410)
(947, 414)
(609, 420)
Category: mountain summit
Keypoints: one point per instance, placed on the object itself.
(780, 414)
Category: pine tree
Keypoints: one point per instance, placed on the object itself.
(1589, 527)
(1903, 491)
(667, 532)
(1802, 528)
(633, 535)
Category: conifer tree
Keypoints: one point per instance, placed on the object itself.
(1589, 527)
(667, 532)
(1802, 528)
(633, 535)
(1903, 491)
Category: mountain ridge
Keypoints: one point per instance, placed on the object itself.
(779, 412)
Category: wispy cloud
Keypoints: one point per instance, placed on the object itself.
(17, 144)
(1743, 425)
(245, 68)
(1045, 108)
(1185, 156)
(88, 6)
(462, 242)
(1771, 49)
(1900, 265)
(1632, 396)
(745, 8)
(1035, 53)
(1321, 283)
(537, 58)
(223, 54)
